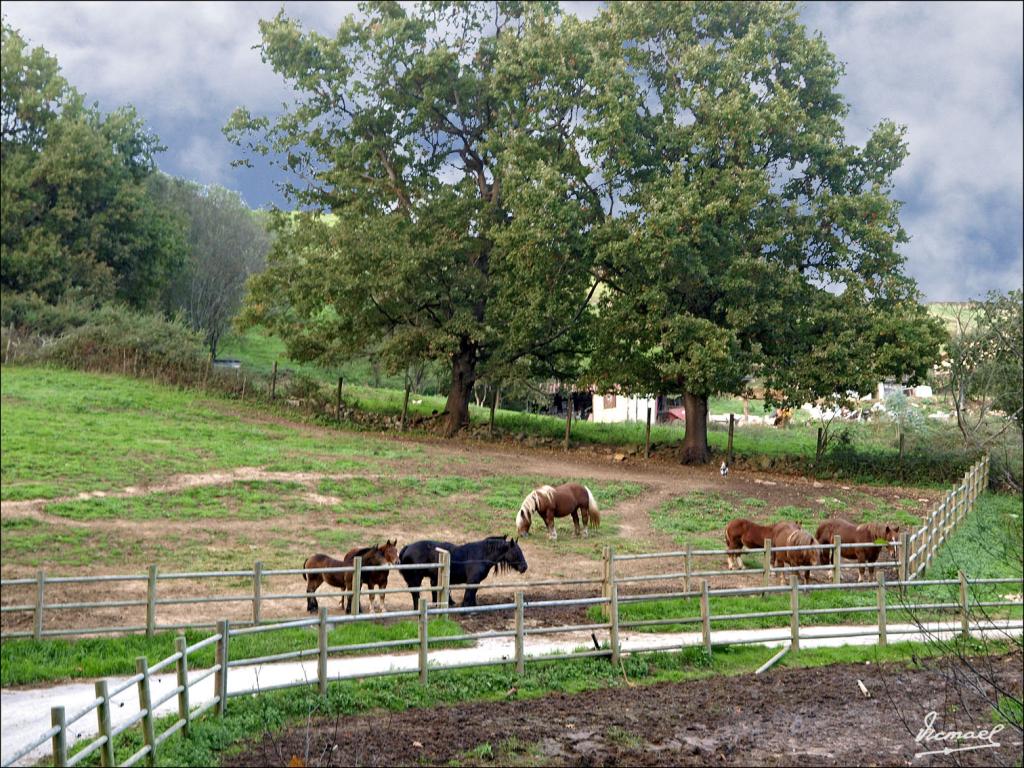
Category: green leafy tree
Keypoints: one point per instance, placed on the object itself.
(984, 371)
(751, 238)
(447, 146)
(227, 244)
(77, 219)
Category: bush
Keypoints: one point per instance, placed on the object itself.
(117, 339)
(28, 312)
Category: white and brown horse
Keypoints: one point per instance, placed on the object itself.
(549, 502)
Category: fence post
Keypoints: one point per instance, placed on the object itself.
(405, 408)
(321, 666)
(705, 615)
(614, 629)
(273, 382)
(728, 448)
(60, 738)
(688, 566)
(103, 721)
(257, 590)
(965, 625)
(446, 576)
(146, 703)
(37, 633)
(767, 561)
(220, 680)
(568, 424)
(904, 571)
(180, 645)
(837, 559)
(357, 585)
(424, 640)
(647, 434)
(337, 405)
(609, 577)
(794, 613)
(520, 632)
(882, 628)
(151, 602)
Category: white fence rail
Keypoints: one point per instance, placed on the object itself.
(973, 615)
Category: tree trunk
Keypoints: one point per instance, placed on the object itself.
(695, 441)
(463, 376)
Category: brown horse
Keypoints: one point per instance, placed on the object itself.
(550, 502)
(791, 535)
(873, 535)
(382, 554)
(745, 534)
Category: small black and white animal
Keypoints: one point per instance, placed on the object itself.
(724, 469)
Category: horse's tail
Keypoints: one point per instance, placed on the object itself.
(595, 514)
(304, 566)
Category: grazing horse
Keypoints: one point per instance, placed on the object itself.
(470, 563)
(873, 536)
(550, 502)
(790, 535)
(382, 554)
(745, 534)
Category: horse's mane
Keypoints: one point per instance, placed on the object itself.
(494, 547)
(876, 530)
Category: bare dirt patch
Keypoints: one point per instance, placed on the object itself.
(285, 541)
(785, 717)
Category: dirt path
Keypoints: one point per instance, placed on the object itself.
(785, 717)
(287, 539)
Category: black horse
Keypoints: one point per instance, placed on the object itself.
(470, 563)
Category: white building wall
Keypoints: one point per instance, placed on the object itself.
(623, 409)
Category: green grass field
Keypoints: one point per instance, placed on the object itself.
(64, 432)
(987, 545)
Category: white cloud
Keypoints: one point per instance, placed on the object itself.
(951, 72)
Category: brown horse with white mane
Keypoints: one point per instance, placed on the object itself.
(382, 554)
(549, 502)
(874, 536)
(746, 534)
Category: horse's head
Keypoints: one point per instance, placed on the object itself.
(512, 556)
(813, 555)
(389, 551)
(524, 516)
(892, 537)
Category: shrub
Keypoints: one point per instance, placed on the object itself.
(117, 339)
(28, 312)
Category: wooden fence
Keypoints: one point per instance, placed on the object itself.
(890, 595)
(913, 554)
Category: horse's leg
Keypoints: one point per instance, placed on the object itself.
(435, 592)
(586, 521)
(549, 521)
(469, 598)
(576, 523)
(312, 582)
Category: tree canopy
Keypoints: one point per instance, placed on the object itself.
(752, 238)
(447, 145)
(486, 166)
(227, 243)
(76, 216)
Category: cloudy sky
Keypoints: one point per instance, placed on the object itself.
(951, 72)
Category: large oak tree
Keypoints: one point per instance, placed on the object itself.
(446, 147)
(752, 238)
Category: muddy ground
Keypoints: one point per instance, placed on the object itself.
(784, 717)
